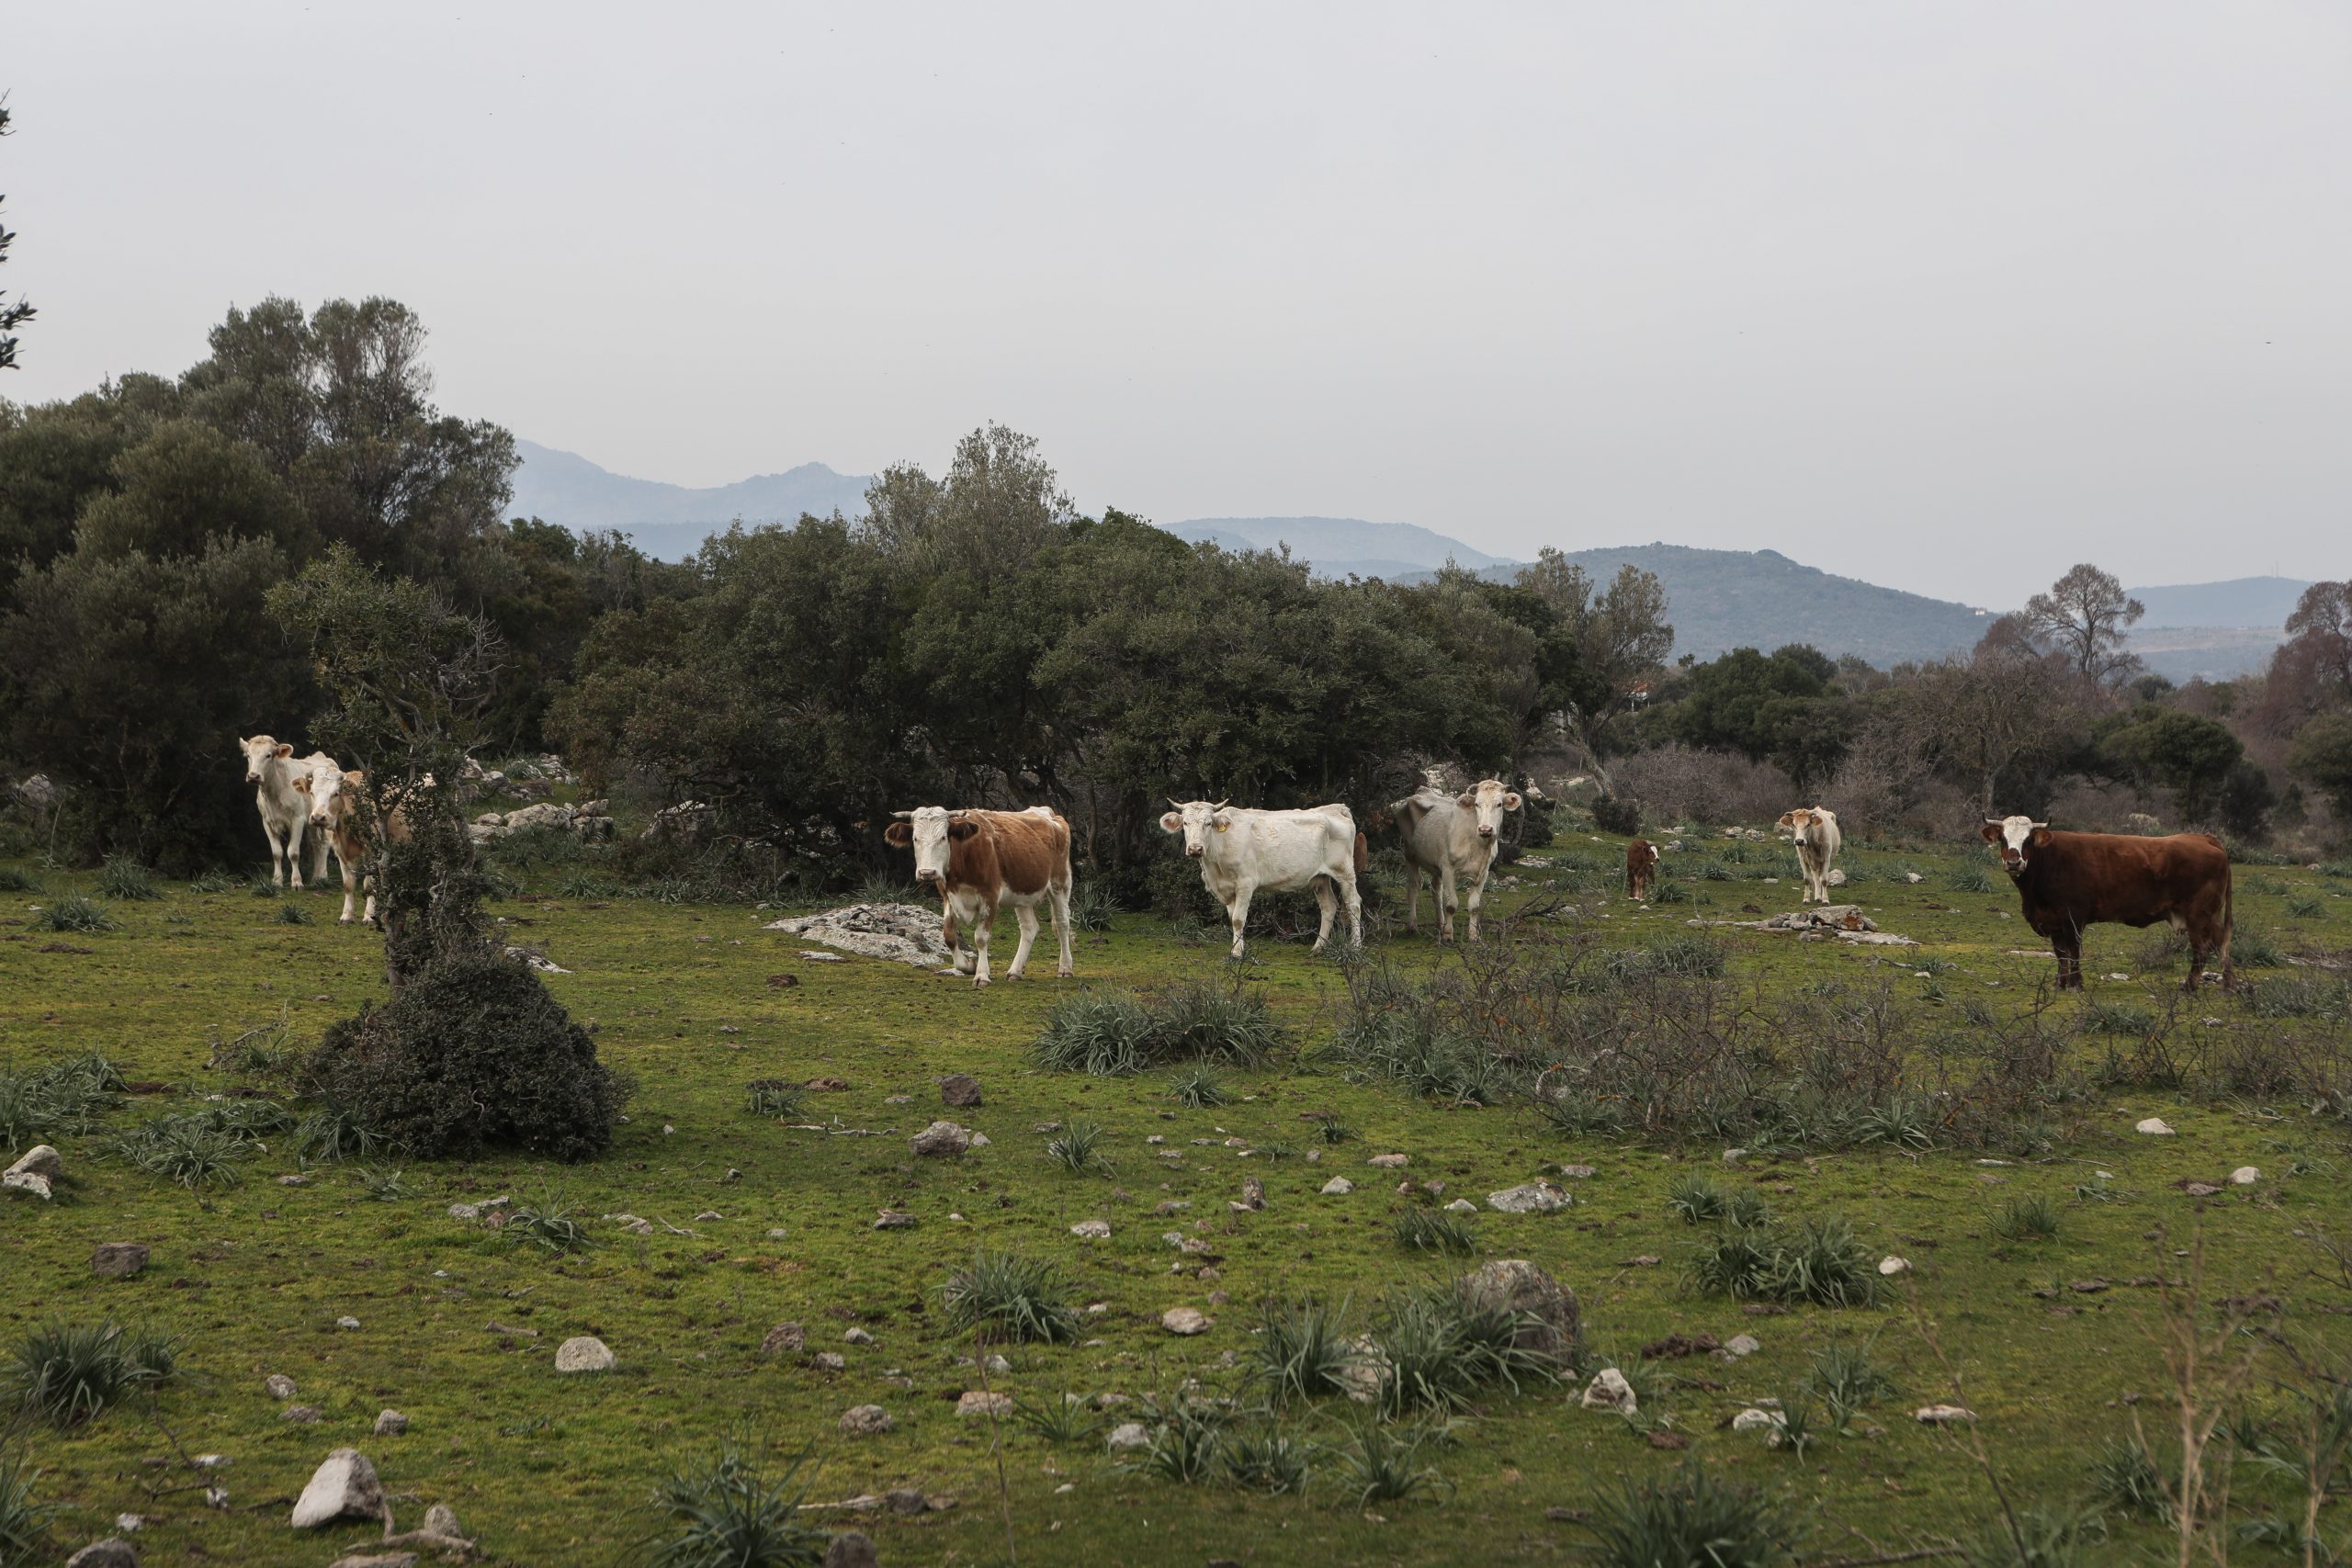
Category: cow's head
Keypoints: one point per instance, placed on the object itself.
(929, 830)
(258, 752)
(1795, 821)
(1488, 800)
(1196, 820)
(330, 792)
(1652, 854)
(2014, 836)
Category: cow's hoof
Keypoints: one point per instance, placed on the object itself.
(1064, 973)
(343, 919)
(980, 983)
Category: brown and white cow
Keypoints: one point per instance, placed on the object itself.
(980, 859)
(1640, 868)
(2067, 881)
(336, 813)
(1454, 838)
(1815, 829)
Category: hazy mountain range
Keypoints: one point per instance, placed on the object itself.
(1717, 600)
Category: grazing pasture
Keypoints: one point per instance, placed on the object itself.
(1938, 1103)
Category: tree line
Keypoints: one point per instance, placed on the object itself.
(972, 636)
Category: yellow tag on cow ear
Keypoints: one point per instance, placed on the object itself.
(1222, 826)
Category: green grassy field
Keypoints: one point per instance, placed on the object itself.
(549, 1469)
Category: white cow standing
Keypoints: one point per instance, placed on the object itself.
(1454, 838)
(1242, 850)
(284, 809)
(1817, 839)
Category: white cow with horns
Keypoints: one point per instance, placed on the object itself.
(1454, 838)
(1242, 851)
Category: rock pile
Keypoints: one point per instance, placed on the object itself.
(904, 933)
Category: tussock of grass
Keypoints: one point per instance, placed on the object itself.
(780, 1098)
(62, 1098)
(1077, 1147)
(1198, 1087)
(24, 1521)
(73, 913)
(1113, 1034)
(67, 1373)
(124, 878)
(1303, 1350)
(1817, 1260)
(1694, 1198)
(1267, 1461)
(2027, 1218)
(550, 1221)
(1693, 1518)
(1434, 1230)
(212, 881)
(1385, 1465)
(1443, 1350)
(194, 1152)
(728, 1512)
(1010, 1296)
(1065, 1418)
(15, 879)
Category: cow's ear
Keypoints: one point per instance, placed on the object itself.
(898, 834)
(1466, 800)
(304, 783)
(2041, 836)
(285, 748)
(1511, 801)
(1991, 832)
(961, 830)
(1171, 821)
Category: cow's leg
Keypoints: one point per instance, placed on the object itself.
(294, 851)
(320, 845)
(350, 887)
(1327, 899)
(1354, 901)
(367, 881)
(2068, 946)
(1445, 902)
(1061, 926)
(983, 922)
(277, 853)
(1237, 912)
(1412, 897)
(1025, 915)
(1475, 897)
(956, 956)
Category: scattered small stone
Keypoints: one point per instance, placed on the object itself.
(894, 1220)
(346, 1321)
(118, 1260)
(294, 1181)
(1943, 1414)
(278, 1385)
(1578, 1172)
(830, 1361)
(391, 1424)
(375, 1560)
(959, 1089)
(857, 1337)
(1733, 1157)
(998, 1364)
(905, 1500)
(1253, 1193)
(866, 1421)
(583, 1353)
(111, 1553)
(39, 1160)
(1535, 1198)
(851, 1548)
(2244, 1176)
(1462, 1206)
(777, 1233)
(1891, 1266)
(1185, 1321)
(2200, 1188)
(1128, 1437)
(304, 1414)
(1755, 1420)
(707, 1217)
(1738, 1345)
(1339, 1186)
(442, 1519)
(1092, 1230)
(2154, 1127)
(344, 1486)
(1609, 1391)
(131, 1524)
(1390, 1162)
(465, 1212)
(983, 1402)
(940, 1138)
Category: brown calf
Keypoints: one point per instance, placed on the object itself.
(979, 860)
(2067, 881)
(1640, 868)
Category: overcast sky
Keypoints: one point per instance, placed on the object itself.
(1943, 296)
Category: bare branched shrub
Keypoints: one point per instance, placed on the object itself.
(1677, 783)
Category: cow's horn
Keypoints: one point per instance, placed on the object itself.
(1222, 803)
(1176, 803)
(904, 816)
(1997, 822)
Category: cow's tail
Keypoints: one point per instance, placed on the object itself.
(1363, 855)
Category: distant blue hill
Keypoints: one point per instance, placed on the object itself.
(1340, 547)
(669, 521)
(2241, 601)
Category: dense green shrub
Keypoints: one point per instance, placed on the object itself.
(471, 1054)
(1617, 814)
(1113, 1033)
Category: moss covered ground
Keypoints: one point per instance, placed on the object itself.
(688, 998)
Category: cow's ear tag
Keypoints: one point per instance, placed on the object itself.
(1222, 826)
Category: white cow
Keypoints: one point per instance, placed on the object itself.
(285, 811)
(1242, 850)
(1815, 832)
(1454, 838)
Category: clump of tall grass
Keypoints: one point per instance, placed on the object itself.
(1442, 1349)
(334, 1133)
(1433, 1230)
(775, 1097)
(1818, 1260)
(1406, 1050)
(550, 1221)
(67, 1373)
(124, 878)
(1198, 1087)
(1114, 1035)
(73, 913)
(24, 1522)
(1011, 1296)
(730, 1513)
(195, 1151)
(2251, 947)
(2028, 1218)
(64, 1096)
(212, 880)
(1384, 1464)
(1267, 1460)
(1092, 906)
(1077, 1147)
(1969, 879)
(1692, 1516)
(1848, 1380)
(15, 879)
(1302, 1352)
(1064, 1418)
